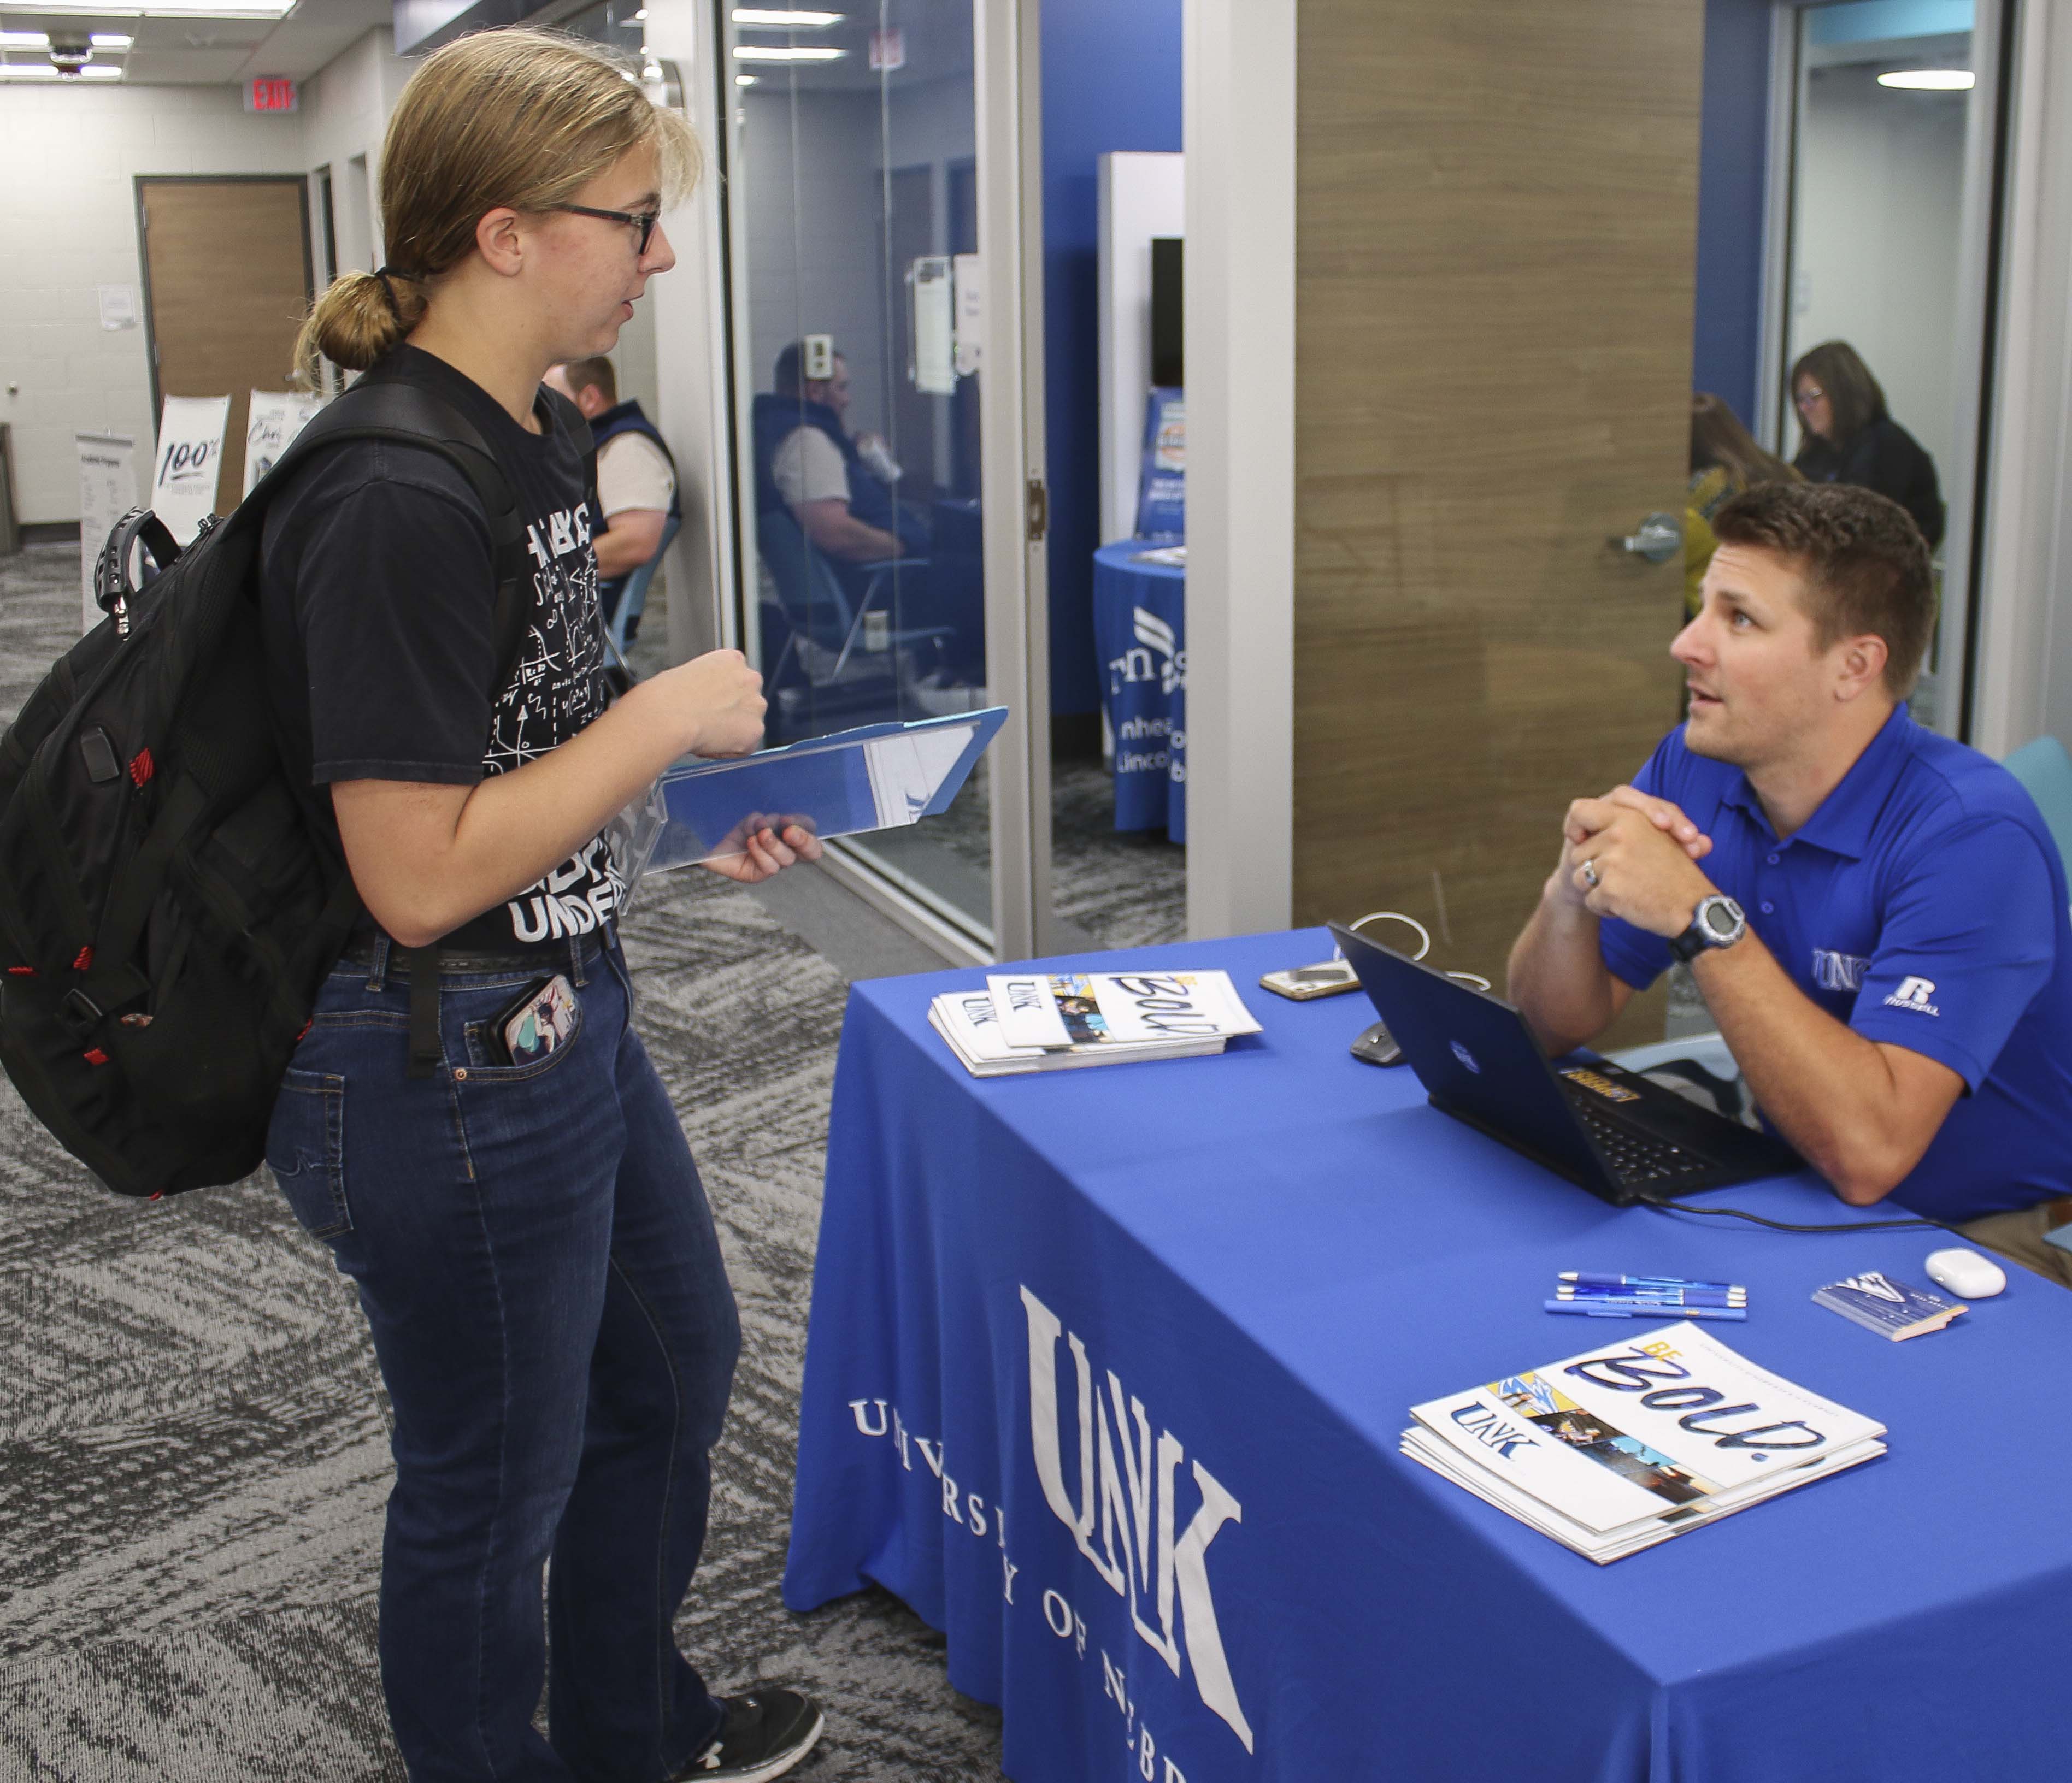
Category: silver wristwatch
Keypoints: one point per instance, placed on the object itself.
(1718, 921)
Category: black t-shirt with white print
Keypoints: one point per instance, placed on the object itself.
(379, 610)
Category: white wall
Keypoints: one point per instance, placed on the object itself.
(2023, 682)
(68, 221)
(1239, 295)
(345, 112)
(1878, 220)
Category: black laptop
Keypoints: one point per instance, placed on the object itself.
(1609, 1129)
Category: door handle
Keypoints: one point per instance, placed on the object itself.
(1660, 538)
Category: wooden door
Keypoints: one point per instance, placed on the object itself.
(1496, 220)
(226, 286)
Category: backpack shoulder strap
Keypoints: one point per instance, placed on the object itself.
(394, 408)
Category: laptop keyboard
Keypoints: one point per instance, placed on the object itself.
(1635, 1158)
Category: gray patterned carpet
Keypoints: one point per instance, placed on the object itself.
(193, 1458)
(1122, 888)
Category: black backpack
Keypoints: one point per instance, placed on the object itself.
(167, 914)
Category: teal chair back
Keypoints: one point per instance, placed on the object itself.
(2045, 770)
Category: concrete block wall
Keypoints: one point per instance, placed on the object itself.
(68, 217)
(68, 222)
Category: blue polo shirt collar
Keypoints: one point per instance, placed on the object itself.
(1846, 817)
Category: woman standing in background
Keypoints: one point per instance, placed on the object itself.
(1850, 437)
(1724, 461)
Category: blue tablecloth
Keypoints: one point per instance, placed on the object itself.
(1105, 1377)
(1140, 631)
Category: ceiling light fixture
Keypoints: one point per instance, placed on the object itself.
(43, 70)
(746, 80)
(157, 8)
(769, 19)
(41, 40)
(1929, 79)
(770, 52)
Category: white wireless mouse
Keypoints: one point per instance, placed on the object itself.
(1966, 1274)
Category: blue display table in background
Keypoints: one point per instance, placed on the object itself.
(1140, 631)
(1107, 1370)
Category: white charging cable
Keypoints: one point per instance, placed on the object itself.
(1423, 934)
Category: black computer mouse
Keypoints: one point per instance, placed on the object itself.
(1376, 1046)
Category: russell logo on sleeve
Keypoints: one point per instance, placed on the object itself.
(1914, 994)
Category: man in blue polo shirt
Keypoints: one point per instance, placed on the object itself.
(1876, 915)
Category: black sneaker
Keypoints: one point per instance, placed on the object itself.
(764, 1735)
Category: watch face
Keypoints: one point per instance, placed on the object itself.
(1721, 918)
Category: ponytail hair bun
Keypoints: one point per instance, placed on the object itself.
(360, 318)
(518, 117)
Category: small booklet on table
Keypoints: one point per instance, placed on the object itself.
(1057, 1021)
(1893, 1310)
(1639, 1439)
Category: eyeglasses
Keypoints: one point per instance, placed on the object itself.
(1807, 397)
(643, 220)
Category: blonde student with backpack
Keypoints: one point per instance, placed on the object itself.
(475, 1130)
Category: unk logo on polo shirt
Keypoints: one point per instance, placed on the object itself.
(1914, 994)
(1838, 971)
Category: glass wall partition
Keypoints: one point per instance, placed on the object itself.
(852, 228)
(1886, 296)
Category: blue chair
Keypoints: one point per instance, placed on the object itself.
(633, 597)
(817, 609)
(2045, 772)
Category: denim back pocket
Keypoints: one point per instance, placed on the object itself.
(306, 1150)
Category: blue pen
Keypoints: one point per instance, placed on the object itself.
(1586, 1278)
(1640, 1309)
(1684, 1296)
(1666, 1305)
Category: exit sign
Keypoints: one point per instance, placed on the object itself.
(270, 93)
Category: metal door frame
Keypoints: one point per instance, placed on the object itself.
(1981, 255)
(1007, 94)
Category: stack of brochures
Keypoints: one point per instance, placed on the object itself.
(1043, 1021)
(1626, 1445)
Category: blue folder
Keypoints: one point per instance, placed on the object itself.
(875, 777)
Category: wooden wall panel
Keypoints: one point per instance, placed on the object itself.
(1496, 223)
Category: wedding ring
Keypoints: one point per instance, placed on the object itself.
(1590, 874)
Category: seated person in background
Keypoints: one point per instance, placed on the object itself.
(835, 487)
(636, 478)
(1876, 915)
(1849, 438)
(1725, 460)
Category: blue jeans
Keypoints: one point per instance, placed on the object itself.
(536, 1259)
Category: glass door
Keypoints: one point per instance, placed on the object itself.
(871, 381)
(1886, 296)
